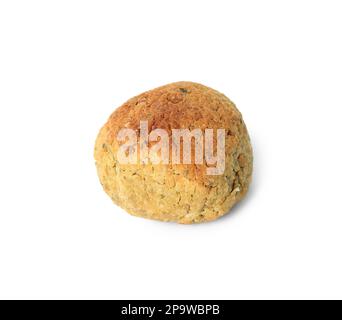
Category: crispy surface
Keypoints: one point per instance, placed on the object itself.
(180, 193)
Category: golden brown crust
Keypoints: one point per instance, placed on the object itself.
(180, 193)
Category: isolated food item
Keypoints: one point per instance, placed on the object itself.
(173, 191)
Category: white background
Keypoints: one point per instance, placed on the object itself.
(65, 66)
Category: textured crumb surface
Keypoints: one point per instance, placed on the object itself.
(182, 193)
